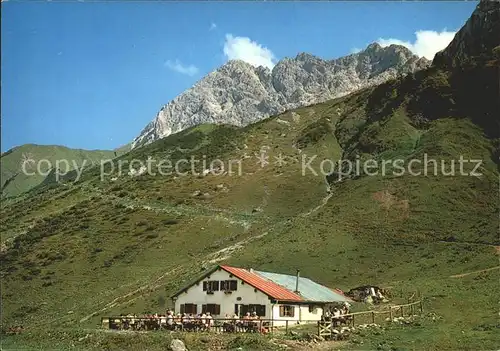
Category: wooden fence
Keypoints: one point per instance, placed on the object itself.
(223, 325)
(219, 325)
(325, 328)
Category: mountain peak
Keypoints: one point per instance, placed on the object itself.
(373, 47)
(235, 64)
(239, 93)
(305, 56)
(376, 49)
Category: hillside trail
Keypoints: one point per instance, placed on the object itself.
(211, 258)
(470, 243)
(474, 272)
(242, 219)
(322, 202)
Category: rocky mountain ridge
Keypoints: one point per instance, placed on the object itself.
(238, 93)
(479, 35)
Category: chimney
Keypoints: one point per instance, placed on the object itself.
(251, 270)
(297, 282)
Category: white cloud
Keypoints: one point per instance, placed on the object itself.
(243, 48)
(181, 68)
(212, 26)
(427, 44)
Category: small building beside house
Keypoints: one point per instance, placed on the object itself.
(224, 291)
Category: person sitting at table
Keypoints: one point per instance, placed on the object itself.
(169, 320)
(228, 324)
(203, 319)
(178, 321)
(252, 324)
(210, 320)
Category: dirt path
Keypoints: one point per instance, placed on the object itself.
(469, 243)
(211, 258)
(294, 345)
(475, 272)
(158, 282)
(323, 203)
(241, 219)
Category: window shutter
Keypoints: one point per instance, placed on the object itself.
(205, 286)
(195, 309)
(182, 309)
(223, 285)
(203, 308)
(216, 285)
(282, 311)
(292, 311)
(217, 309)
(234, 285)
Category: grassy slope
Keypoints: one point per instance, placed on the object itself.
(95, 248)
(15, 182)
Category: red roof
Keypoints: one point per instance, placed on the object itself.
(268, 287)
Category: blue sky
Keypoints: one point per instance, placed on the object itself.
(92, 74)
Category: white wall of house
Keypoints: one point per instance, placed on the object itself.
(246, 292)
(313, 315)
(300, 314)
(245, 295)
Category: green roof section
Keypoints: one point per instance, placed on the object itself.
(308, 289)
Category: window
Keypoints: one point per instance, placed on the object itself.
(259, 309)
(211, 308)
(189, 308)
(313, 309)
(287, 311)
(211, 285)
(243, 309)
(229, 285)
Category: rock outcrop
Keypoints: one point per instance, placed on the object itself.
(238, 93)
(479, 36)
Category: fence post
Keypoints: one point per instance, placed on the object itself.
(402, 311)
(373, 317)
(353, 324)
(286, 326)
(412, 310)
(319, 328)
(390, 313)
(421, 306)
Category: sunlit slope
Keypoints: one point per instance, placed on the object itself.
(26, 166)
